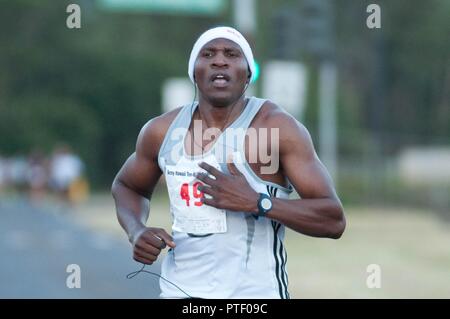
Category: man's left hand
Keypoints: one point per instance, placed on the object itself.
(230, 192)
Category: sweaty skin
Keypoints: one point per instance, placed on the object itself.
(318, 213)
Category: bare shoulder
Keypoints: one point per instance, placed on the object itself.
(153, 132)
(291, 130)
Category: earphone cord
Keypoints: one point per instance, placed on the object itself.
(137, 272)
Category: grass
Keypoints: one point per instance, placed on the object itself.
(411, 247)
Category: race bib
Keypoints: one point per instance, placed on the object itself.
(190, 215)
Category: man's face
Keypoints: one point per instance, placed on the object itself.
(221, 72)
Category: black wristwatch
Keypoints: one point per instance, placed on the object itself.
(264, 204)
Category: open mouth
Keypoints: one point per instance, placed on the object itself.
(220, 79)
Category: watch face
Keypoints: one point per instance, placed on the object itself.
(266, 203)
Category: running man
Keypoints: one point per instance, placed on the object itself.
(229, 202)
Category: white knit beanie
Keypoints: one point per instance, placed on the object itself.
(225, 33)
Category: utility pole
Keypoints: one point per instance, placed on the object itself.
(244, 18)
(327, 116)
(317, 25)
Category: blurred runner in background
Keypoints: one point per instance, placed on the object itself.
(37, 175)
(66, 175)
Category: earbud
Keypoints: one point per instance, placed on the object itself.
(249, 77)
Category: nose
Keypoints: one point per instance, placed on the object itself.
(219, 60)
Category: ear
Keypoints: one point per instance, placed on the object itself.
(193, 72)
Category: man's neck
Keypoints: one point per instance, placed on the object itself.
(219, 116)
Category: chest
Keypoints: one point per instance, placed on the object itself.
(260, 145)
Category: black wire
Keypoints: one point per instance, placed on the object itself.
(137, 272)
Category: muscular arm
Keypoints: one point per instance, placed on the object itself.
(133, 186)
(132, 189)
(319, 212)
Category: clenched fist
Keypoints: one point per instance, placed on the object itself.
(148, 242)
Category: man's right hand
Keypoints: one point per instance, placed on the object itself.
(148, 242)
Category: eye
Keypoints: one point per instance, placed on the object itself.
(207, 54)
(232, 54)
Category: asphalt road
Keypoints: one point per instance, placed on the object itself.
(37, 246)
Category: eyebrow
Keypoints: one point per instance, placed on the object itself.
(225, 49)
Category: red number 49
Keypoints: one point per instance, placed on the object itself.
(184, 193)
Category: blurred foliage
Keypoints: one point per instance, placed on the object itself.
(92, 87)
(395, 81)
(96, 86)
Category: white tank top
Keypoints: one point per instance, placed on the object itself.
(218, 253)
